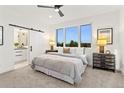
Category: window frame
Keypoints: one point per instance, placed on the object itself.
(57, 36)
(91, 35)
(77, 38)
(78, 33)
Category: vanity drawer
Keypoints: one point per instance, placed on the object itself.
(20, 55)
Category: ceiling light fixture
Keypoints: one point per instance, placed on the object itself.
(56, 10)
(50, 16)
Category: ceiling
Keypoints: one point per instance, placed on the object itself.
(41, 15)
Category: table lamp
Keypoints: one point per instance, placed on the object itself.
(52, 43)
(101, 42)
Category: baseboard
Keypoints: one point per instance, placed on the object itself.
(118, 71)
(122, 72)
(89, 65)
(10, 68)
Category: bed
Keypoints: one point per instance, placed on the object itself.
(66, 67)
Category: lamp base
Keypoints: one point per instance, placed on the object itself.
(101, 49)
(51, 48)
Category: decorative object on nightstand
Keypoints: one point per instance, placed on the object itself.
(108, 52)
(51, 51)
(104, 61)
(101, 42)
(52, 43)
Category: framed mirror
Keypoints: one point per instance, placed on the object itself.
(1, 35)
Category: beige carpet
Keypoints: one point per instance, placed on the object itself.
(27, 78)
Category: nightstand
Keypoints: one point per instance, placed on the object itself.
(51, 51)
(104, 61)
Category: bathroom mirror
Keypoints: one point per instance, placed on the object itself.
(20, 38)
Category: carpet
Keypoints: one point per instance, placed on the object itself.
(92, 78)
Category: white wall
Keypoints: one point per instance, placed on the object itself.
(105, 20)
(121, 40)
(6, 51)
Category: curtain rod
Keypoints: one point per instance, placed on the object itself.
(26, 28)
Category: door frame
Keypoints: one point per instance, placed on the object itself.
(28, 41)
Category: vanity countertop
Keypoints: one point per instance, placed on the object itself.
(21, 48)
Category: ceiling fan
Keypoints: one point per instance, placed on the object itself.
(55, 7)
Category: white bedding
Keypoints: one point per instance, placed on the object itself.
(69, 65)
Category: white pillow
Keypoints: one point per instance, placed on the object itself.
(84, 58)
(54, 53)
(72, 50)
(79, 51)
(60, 50)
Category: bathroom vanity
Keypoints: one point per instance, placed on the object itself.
(20, 54)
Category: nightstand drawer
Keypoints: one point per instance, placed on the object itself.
(96, 59)
(110, 60)
(109, 64)
(96, 65)
(97, 55)
(110, 56)
(110, 67)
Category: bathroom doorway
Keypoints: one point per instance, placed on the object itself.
(21, 47)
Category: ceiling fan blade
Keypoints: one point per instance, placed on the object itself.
(43, 6)
(58, 6)
(60, 13)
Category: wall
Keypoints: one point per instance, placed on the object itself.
(6, 51)
(121, 36)
(105, 20)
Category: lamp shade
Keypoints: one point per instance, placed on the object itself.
(101, 42)
(51, 43)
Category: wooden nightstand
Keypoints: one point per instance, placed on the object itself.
(51, 51)
(104, 61)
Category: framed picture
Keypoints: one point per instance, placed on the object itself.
(107, 32)
(1, 35)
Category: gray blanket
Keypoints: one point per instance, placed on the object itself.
(65, 65)
(55, 65)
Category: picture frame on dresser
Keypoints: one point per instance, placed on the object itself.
(107, 32)
(1, 35)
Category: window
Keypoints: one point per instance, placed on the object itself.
(60, 37)
(86, 35)
(71, 37)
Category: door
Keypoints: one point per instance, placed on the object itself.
(35, 44)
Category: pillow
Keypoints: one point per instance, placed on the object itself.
(60, 50)
(66, 50)
(72, 50)
(79, 51)
(54, 53)
(83, 57)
